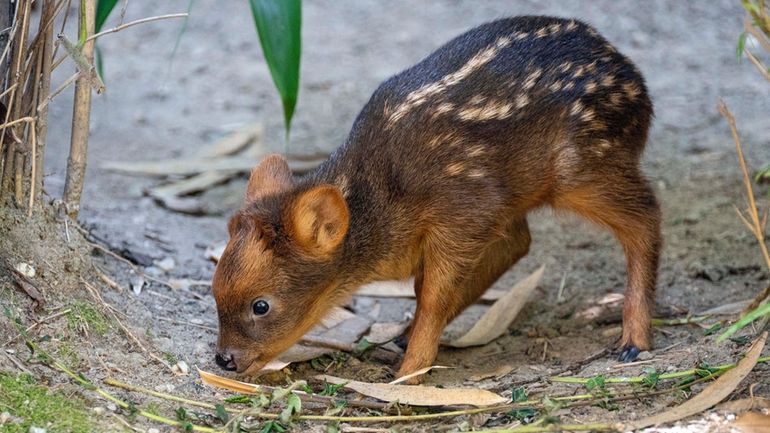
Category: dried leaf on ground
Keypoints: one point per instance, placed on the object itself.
(711, 395)
(418, 395)
(726, 309)
(38, 301)
(501, 314)
(212, 379)
(405, 289)
(753, 422)
(419, 372)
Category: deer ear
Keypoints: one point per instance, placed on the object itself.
(271, 176)
(318, 220)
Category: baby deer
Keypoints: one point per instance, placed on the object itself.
(435, 181)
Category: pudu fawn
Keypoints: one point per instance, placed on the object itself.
(435, 181)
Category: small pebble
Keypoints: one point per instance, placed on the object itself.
(4, 417)
(112, 407)
(644, 356)
(98, 410)
(181, 368)
(153, 430)
(166, 265)
(33, 429)
(26, 269)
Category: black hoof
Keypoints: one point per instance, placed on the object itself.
(401, 341)
(628, 354)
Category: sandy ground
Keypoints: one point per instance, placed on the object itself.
(159, 107)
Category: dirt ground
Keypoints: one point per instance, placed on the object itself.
(158, 107)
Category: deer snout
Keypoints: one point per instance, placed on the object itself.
(226, 361)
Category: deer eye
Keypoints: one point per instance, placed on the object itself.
(261, 307)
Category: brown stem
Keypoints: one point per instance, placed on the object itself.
(49, 11)
(76, 163)
(757, 228)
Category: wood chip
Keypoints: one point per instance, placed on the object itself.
(711, 395)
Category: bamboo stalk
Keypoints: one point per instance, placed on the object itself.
(76, 163)
(49, 11)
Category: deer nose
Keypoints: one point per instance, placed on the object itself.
(226, 361)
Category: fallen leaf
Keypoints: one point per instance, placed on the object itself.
(711, 395)
(418, 395)
(419, 372)
(496, 373)
(753, 422)
(726, 309)
(26, 269)
(405, 289)
(501, 314)
(212, 379)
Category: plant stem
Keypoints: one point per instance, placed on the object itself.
(76, 163)
(639, 379)
(556, 428)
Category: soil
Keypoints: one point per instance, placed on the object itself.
(160, 106)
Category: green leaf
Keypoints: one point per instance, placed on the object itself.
(597, 382)
(525, 415)
(762, 310)
(741, 45)
(293, 406)
(713, 329)
(331, 389)
(518, 395)
(278, 25)
(181, 414)
(651, 377)
(333, 427)
(239, 399)
(272, 426)
(222, 413)
(103, 10)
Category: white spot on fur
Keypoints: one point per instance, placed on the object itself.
(576, 108)
(489, 111)
(571, 25)
(344, 185)
(632, 90)
(555, 86)
(590, 87)
(564, 67)
(578, 72)
(569, 85)
(477, 99)
(541, 33)
(419, 96)
(520, 35)
(476, 150)
(529, 82)
(444, 107)
(587, 115)
(607, 80)
(455, 168)
(554, 28)
(476, 173)
(522, 100)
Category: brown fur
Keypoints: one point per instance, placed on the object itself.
(436, 180)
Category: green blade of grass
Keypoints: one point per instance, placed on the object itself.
(762, 310)
(103, 10)
(278, 24)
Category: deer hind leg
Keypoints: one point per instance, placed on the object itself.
(441, 297)
(626, 205)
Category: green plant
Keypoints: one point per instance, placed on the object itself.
(278, 24)
(33, 405)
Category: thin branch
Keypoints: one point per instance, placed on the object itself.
(137, 22)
